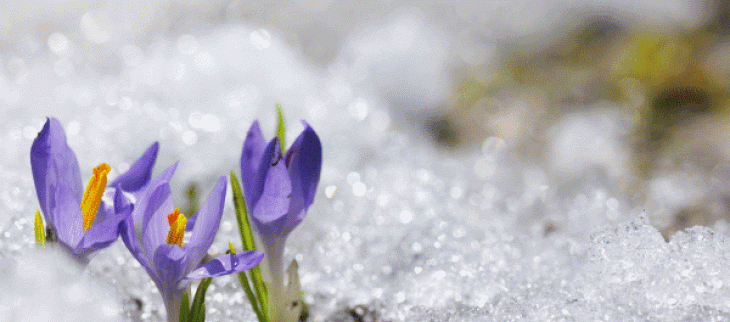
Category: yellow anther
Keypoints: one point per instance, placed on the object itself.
(40, 232)
(92, 196)
(177, 228)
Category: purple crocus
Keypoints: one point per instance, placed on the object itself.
(159, 243)
(79, 220)
(278, 191)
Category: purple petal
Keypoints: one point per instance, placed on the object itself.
(101, 234)
(161, 179)
(269, 212)
(123, 208)
(69, 225)
(227, 264)
(106, 208)
(166, 175)
(122, 205)
(304, 161)
(52, 161)
(253, 150)
(140, 172)
(169, 263)
(155, 205)
(207, 222)
(190, 225)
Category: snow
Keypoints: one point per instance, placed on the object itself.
(401, 230)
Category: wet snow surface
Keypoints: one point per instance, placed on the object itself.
(400, 230)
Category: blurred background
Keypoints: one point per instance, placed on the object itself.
(634, 92)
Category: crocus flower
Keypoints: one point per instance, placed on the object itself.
(159, 243)
(278, 191)
(79, 220)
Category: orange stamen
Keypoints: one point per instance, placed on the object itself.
(92, 196)
(177, 228)
(171, 218)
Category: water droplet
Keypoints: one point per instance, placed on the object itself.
(353, 177)
(261, 39)
(75, 293)
(96, 26)
(456, 192)
(359, 189)
(330, 191)
(493, 146)
(380, 120)
(189, 137)
(358, 109)
(58, 43)
(406, 216)
(612, 204)
(439, 274)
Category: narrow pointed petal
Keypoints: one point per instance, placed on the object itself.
(69, 226)
(270, 210)
(123, 208)
(169, 262)
(166, 175)
(253, 150)
(102, 234)
(207, 222)
(227, 264)
(304, 161)
(140, 173)
(106, 208)
(53, 161)
(155, 205)
(191, 222)
(143, 194)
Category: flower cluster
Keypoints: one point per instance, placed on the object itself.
(169, 245)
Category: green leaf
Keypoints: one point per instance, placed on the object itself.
(243, 278)
(200, 317)
(40, 231)
(244, 228)
(198, 308)
(185, 308)
(261, 292)
(280, 129)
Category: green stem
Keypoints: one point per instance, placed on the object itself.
(244, 228)
(249, 293)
